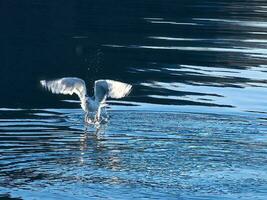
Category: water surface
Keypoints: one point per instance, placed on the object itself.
(194, 126)
(138, 155)
(195, 53)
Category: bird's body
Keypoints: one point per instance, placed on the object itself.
(102, 90)
(92, 104)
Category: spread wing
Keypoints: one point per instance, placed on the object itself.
(69, 85)
(110, 88)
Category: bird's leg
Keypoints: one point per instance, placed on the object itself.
(104, 113)
(86, 117)
(98, 113)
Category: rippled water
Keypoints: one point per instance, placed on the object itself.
(194, 126)
(195, 53)
(157, 155)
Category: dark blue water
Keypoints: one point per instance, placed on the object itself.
(194, 126)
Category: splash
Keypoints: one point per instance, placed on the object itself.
(90, 118)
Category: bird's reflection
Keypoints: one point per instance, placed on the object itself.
(96, 136)
(103, 153)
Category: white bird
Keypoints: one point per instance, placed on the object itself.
(102, 90)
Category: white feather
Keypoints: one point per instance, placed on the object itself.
(68, 85)
(102, 90)
(110, 88)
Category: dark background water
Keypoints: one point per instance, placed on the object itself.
(208, 53)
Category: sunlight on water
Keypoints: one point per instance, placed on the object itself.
(254, 52)
(189, 155)
(240, 87)
(237, 22)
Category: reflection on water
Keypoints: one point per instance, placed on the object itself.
(50, 154)
(217, 62)
(193, 53)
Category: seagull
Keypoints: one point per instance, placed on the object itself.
(102, 90)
